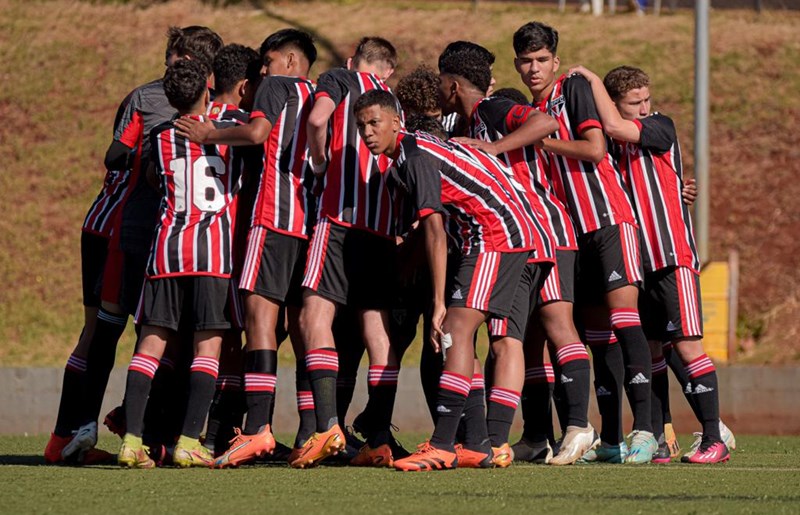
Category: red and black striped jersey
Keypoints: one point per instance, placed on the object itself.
(496, 117)
(653, 171)
(198, 206)
(594, 193)
(355, 192)
(148, 108)
(485, 209)
(285, 200)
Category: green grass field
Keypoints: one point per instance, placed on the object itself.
(762, 477)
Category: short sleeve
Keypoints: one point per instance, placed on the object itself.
(130, 124)
(271, 98)
(658, 133)
(424, 184)
(334, 84)
(580, 105)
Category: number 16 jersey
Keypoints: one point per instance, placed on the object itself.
(198, 209)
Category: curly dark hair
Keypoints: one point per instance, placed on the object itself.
(418, 92)
(298, 39)
(468, 63)
(622, 79)
(232, 64)
(184, 84)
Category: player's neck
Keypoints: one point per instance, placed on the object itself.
(543, 94)
(228, 98)
(467, 101)
(199, 109)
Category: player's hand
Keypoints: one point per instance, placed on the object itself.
(689, 191)
(318, 167)
(580, 70)
(486, 146)
(194, 130)
(437, 319)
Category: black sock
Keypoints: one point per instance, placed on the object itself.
(573, 362)
(430, 370)
(137, 389)
(609, 377)
(72, 396)
(202, 383)
(345, 388)
(473, 418)
(660, 400)
(500, 414)
(679, 370)
(323, 366)
(703, 375)
(536, 405)
(100, 361)
(225, 413)
(382, 392)
(453, 392)
(638, 365)
(260, 367)
(305, 406)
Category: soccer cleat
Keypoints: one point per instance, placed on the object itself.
(319, 447)
(727, 436)
(133, 454)
(662, 454)
(381, 456)
(576, 443)
(246, 448)
(189, 452)
(711, 452)
(672, 441)
(280, 454)
(115, 421)
(427, 458)
(502, 456)
(85, 438)
(472, 459)
(52, 451)
(605, 453)
(643, 446)
(531, 451)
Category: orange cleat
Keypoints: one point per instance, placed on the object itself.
(502, 456)
(427, 458)
(469, 459)
(52, 452)
(246, 448)
(319, 447)
(381, 456)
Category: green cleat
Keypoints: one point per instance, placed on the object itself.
(189, 452)
(605, 453)
(643, 447)
(133, 454)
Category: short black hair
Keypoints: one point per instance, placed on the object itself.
(469, 46)
(512, 94)
(418, 92)
(373, 49)
(184, 84)
(377, 97)
(231, 65)
(534, 36)
(200, 44)
(469, 63)
(424, 123)
(290, 37)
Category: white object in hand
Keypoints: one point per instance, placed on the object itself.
(446, 342)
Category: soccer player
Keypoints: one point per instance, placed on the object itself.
(488, 218)
(586, 180)
(145, 107)
(510, 131)
(646, 146)
(188, 271)
(280, 225)
(351, 255)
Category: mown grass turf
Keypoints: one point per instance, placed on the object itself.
(762, 477)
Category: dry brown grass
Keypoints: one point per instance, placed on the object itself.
(66, 65)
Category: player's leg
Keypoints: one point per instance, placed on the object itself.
(350, 347)
(229, 405)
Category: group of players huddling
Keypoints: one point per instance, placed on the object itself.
(340, 213)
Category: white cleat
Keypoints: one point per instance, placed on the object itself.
(577, 442)
(85, 438)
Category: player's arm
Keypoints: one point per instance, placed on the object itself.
(255, 132)
(436, 253)
(317, 132)
(613, 123)
(128, 132)
(522, 125)
(591, 146)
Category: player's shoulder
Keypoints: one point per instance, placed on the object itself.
(575, 82)
(238, 116)
(337, 74)
(162, 127)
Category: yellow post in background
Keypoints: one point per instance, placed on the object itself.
(718, 288)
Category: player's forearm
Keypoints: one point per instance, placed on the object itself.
(317, 128)
(250, 134)
(436, 253)
(613, 123)
(537, 127)
(582, 150)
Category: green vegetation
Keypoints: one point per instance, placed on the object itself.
(67, 65)
(762, 477)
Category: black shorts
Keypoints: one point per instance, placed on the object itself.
(670, 306)
(351, 266)
(165, 301)
(525, 298)
(133, 270)
(608, 258)
(273, 265)
(487, 281)
(560, 282)
(94, 251)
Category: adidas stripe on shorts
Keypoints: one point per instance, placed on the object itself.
(608, 258)
(670, 305)
(487, 281)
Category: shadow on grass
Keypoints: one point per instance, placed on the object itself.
(22, 459)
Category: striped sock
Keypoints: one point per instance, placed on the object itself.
(703, 376)
(72, 396)
(141, 371)
(382, 387)
(638, 374)
(535, 400)
(573, 360)
(305, 405)
(202, 383)
(101, 355)
(322, 366)
(660, 396)
(260, 378)
(500, 414)
(473, 418)
(453, 392)
(609, 377)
